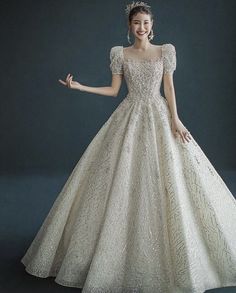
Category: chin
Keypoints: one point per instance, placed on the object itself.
(141, 37)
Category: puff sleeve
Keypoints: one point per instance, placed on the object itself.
(169, 58)
(116, 60)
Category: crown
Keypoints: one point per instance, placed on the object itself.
(129, 7)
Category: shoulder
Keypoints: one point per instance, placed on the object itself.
(168, 48)
(115, 49)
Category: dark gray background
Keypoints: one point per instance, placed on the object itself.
(45, 127)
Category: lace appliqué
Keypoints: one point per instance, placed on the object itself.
(116, 64)
(169, 58)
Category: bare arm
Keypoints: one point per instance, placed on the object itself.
(176, 125)
(111, 90)
(169, 92)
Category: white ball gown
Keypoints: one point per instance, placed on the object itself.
(141, 211)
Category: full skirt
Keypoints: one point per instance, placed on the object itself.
(141, 212)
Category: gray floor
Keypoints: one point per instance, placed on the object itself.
(24, 202)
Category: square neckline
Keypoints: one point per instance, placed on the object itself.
(155, 59)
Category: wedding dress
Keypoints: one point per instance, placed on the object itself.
(141, 211)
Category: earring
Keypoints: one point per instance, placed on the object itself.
(151, 36)
(128, 37)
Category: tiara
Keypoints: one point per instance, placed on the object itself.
(129, 7)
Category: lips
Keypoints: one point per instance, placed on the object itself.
(141, 33)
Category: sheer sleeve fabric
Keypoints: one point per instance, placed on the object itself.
(169, 58)
(116, 60)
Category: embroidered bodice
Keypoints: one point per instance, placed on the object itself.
(143, 76)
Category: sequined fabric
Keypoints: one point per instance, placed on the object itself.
(141, 211)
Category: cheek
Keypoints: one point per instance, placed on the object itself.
(135, 27)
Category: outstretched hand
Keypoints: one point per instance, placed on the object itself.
(179, 129)
(70, 83)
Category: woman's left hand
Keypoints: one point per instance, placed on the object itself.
(178, 128)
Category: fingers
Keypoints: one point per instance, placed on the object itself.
(184, 135)
(188, 136)
(69, 76)
(68, 81)
(61, 81)
(182, 131)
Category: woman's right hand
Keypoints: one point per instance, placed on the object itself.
(70, 83)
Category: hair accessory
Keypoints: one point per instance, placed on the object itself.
(129, 7)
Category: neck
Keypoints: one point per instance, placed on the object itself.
(142, 45)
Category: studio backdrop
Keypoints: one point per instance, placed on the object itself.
(46, 127)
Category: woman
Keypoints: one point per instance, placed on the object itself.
(144, 210)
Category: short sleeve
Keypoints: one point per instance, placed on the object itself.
(116, 64)
(169, 58)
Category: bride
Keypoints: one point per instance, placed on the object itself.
(143, 210)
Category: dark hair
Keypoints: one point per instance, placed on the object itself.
(140, 9)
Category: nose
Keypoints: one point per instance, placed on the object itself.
(141, 26)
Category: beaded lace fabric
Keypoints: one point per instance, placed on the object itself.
(141, 211)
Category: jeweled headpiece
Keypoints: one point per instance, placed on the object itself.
(129, 7)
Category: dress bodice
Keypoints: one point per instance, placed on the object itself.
(143, 76)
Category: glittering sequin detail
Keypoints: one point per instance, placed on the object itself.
(141, 211)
